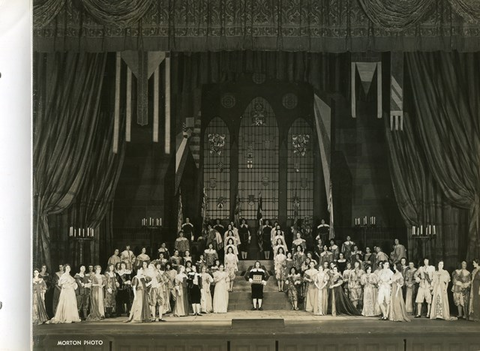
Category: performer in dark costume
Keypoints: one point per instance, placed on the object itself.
(258, 279)
(245, 238)
(266, 239)
(338, 303)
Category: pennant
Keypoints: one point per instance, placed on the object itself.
(143, 64)
(366, 65)
(396, 91)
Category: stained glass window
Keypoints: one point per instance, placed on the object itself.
(301, 141)
(216, 168)
(258, 159)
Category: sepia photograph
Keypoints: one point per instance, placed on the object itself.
(243, 175)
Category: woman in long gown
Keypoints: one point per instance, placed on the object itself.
(171, 274)
(299, 257)
(311, 290)
(220, 296)
(231, 266)
(280, 265)
(355, 284)
(39, 313)
(321, 283)
(180, 294)
(140, 308)
(338, 302)
(206, 301)
(370, 291)
(440, 308)
(67, 311)
(398, 311)
(461, 279)
(210, 255)
(294, 284)
(97, 306)
(474, 305)
(110, 291)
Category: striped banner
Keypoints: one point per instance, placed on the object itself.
(396, 91)
(323, 123)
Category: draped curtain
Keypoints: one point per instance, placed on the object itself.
(396, 15)
(446, 95)
(213, 25)
(67, 89)
(435, 162)
(421, 202)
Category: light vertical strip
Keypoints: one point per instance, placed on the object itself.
(128, 130)
(116, 126)
(167, 104)
(353, 97)
(155, 104)
(379, 90)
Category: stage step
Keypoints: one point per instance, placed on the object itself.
(240, 298)
(242, 301)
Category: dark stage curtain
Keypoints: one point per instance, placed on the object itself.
(435, 161)
(446, 99)
(67, 90)
(215, 25)
(420, 201)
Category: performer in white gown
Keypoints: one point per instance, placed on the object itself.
(67, 311)
(220, 296)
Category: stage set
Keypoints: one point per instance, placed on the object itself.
(356, 122)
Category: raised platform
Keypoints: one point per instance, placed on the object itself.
(233, 332)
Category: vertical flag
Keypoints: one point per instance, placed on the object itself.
(204, 208)
(180, 211)
(238, 210)
(396, 91)
(331, 234)
(259, 221)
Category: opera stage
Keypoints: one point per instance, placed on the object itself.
(261, 330)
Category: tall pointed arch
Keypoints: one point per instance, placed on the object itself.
(300, 180)
(258, 159)
(216, 168)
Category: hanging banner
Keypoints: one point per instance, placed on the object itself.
(143, 64)
(396, 91)
(366, 66)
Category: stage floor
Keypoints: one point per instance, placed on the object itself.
(276, 330)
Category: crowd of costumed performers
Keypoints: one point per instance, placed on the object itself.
(327, 277)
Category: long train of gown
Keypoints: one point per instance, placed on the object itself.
(440, 308)
(140, 311)
(220, 295)
(67, 311)
(398, 311)
(39, 313)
